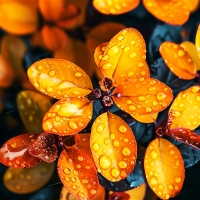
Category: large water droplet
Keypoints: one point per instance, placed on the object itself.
(73, 125)
(122, 129)
(153, 181)
(96, 146)
(123, 164)
(154, 154)
(78, 74)
(105, 162)
(160, 96)
(126, 151)
(100, 128)
(115, 172)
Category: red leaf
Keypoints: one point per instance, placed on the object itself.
(14, 153)
(44, 148)
(78, 174)
(119, 196)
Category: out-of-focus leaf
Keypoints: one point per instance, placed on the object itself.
(197, 41)
(193, 5)
(162, 33)
(13, 49)
(44, 148)
(76, 52)
(125, 57)
(24, 181)
(115, 7)
(68, 116)
(32, 107)
(24, 21)
(14, 153)
(133, 180)
(142, 96)
(7, 73)
(113, 146)
(77, 172)
(51, 76)
(186, 109)
(162, 157)
(172, 12)
(178, 60)
(54, 38)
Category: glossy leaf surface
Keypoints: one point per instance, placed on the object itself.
(197, 41)
(146, 118)
(186, 109)
(65, 195)
(78, 174)
(178, 60)
(68, 116)
(14, 153)
(32, 107)
(191, 49)
(24, 181)
(142, 96)
(59, 78)
(24, 21)
(125, 57)
(115, 7)
(113, 146)
(44, 148)
(164, 168)
(172, 12)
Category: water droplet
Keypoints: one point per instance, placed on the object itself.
(96, 146)
(113, 51)
(160, 187)
(49, 89)
(57, 118)
(106, 141)
(171, 187)
(40, 67)
(132, 55)
(120, 37)
(148, 109)
(152, 89)
(198, 98)
(78, 166)
(140, 64)
(153, 181)
(104, 57)
(123, 164)
(75, 173)
(67, 171)
(127, 49)
(100, 128)
(105, 162)
(178, 180)
(80, 158)
(132, 42)
(167, 196)
(160, 96)
(171, 152)
(181, 53)
(36, 85)
(116, 143)
(131, 108)
(126, 140)
(84, 181)
(129, 102)
(122, 129)
(74, 187)
(13, 145)
(52, 73)
(130, 74)
(115, 172)
(81, 195)
(154, 154)
(126, 151)
(107, 65)
(141, 98)
(73, 125)
(93, 191)
(78, 74)
(177, 163)
(112, 136)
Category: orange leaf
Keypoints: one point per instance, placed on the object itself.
(115, 7)
(178, 60)
(32, 107)
(68, 116)
(142, 96)
(145, 118)
(7, 73)
(54, 38)
(186, 109)
(18, 18)
(197, 41)
(164, 168)
(193, 5)
(170, 11)
(50, 9)
(191, 49)
(25, 181)
(59, 78)
(125, 57)
(99, 51)
(113, 146)
(78, 174)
